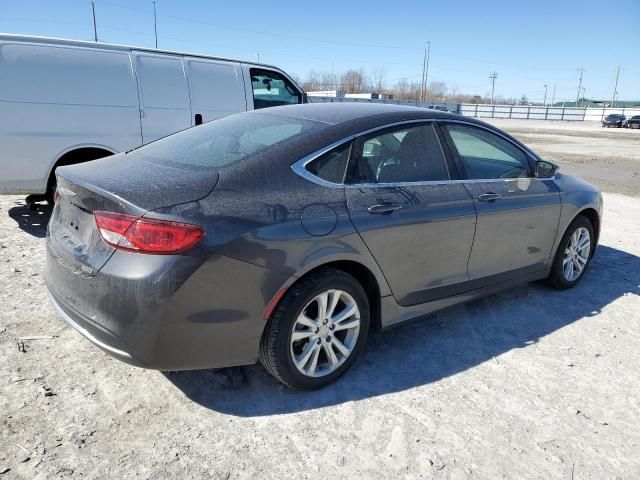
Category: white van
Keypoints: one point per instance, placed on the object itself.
(66, 101)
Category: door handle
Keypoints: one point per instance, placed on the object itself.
(489, 197)
(198, 119)
(384, 208)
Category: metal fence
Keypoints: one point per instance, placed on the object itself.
(503, 111)
(523, 112)
(451, 107)
(543, 113)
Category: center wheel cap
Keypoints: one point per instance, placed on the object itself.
(324, 331)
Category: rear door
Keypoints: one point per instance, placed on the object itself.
(517, 213)
(216, 88)
(164, 95)
(416, 222)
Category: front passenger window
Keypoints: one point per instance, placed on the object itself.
(485, 155)
(400, 155)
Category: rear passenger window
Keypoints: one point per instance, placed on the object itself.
(271, 89)
(401, 155)
(332, 165)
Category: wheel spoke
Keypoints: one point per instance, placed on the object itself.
(323, 299)
(335, 298)
(306, 321)
(331, 355)
(306, 354)
(341, 347)
(298, 335)
(347, 312)
(347, 325)
(311, 371)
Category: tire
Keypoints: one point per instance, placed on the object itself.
(278, 353)
(559, 276)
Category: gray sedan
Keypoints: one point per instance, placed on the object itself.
(285, 235)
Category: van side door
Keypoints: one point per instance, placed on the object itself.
(269, 88)
(164, 95)
(216, 88)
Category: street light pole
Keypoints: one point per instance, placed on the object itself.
(544, 102)
(95, 31)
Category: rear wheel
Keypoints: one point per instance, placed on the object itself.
(317, 331)
(573, 255)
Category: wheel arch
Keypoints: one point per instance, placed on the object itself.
(594, 217)
(357, 270)
(77, 154)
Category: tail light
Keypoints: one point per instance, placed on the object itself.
(146, 235)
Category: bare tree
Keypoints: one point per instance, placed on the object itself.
(377, 77)
(353, 81)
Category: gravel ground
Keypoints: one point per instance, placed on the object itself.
(530, 383)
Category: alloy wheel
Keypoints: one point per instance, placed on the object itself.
(325, 333)
(576, 255)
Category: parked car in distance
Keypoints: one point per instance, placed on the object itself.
(64, 102)
(286, 234)
(614, 120)
(634, 122)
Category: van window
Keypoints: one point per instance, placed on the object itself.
(271, 89)
(66, 75)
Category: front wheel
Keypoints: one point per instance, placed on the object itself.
(573, 255)
(317, 331)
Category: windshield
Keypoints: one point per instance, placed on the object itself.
(614, 117)
(225, 141)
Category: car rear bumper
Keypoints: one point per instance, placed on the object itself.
(167, 312)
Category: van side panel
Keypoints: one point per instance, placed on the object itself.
(164, 95)
(56, 98)
(216, 87)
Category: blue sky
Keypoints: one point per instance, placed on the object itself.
(529, 44)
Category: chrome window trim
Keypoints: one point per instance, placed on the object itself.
(299, 167)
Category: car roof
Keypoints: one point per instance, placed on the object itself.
(335, 113)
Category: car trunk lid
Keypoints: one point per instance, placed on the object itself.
(114, 185)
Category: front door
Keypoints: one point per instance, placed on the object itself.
(164, 95)
(418, 225)
(517, 213)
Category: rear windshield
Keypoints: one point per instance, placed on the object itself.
(225, 141)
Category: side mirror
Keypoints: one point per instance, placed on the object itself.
(545, 169)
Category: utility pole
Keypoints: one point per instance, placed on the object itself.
(493, 77)
(544, 102)
(258, 54)
(95, 31)
(553, 97)
(424, 66)
(155, 23)
(615, 89)
(581, 70)
(426, 72)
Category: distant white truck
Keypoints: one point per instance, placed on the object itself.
(64, 102)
